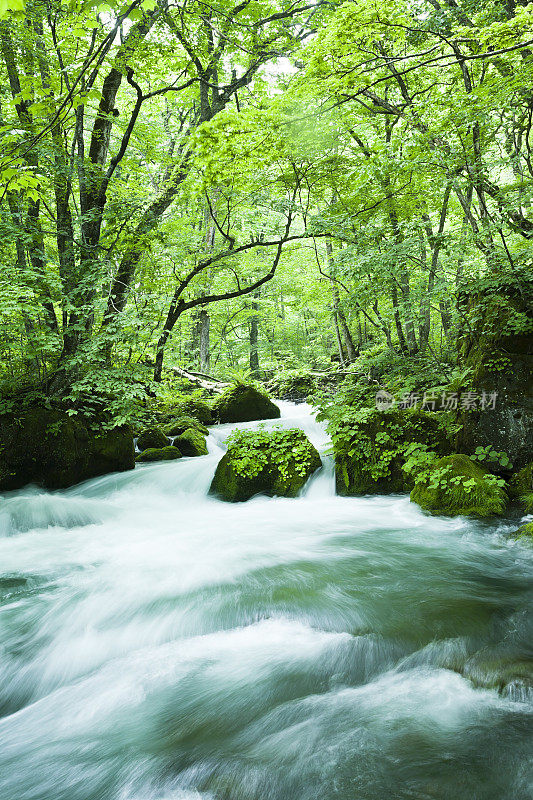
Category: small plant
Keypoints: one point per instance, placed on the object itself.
(491, 456)
(251, 451)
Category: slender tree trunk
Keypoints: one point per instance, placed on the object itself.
(342, 356)
(254, 335)
(204, 323)
(398, 319)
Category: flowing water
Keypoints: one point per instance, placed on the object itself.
(157, 644)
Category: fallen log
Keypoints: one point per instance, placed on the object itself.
(206, 382)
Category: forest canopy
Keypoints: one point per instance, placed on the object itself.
(260, 188)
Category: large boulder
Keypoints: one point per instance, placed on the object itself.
(152, 437)
(184, 423)
(271, 463)
(195, 407)
(191, 443)
(498, 351)
(370, 449)
(52, 449)
(244, 403)
(168, 453)
(521, 487)
(457, 486)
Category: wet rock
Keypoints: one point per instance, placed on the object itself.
(524, 533)
(457, 486)
(191, 443)
(168, 453)
(370, 457)
(271, 463)
(244, 403)
(152, 437)
(521, 487)
(501, 363)
(183, 423)
(195, 407)
(52, 449)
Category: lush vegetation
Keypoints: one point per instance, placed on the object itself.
(332, 198)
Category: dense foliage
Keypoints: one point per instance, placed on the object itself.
(269, 188)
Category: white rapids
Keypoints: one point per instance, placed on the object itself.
(158, 644)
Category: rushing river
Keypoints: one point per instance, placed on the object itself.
(157, 644)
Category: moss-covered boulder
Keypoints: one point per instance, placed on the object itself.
(498, 350)
(521, 487)
(244, 403)
(168, 453)
(370, 448)
(195, 407)
(152, 437)
(457, 486)
(524, 533)
(183, 423)
(112, 450)
(191, 443)
(265, 462)
(52, 449)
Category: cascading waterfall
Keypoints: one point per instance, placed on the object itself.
(158, 644)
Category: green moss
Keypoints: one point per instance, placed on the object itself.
(521, 486)
(370, 451)
(458, 486)
(244, 403)
(152, 437)
(183, 423)
(112, 451)
(53, 449)
(191, 443)
(524, 533)
(498, 352)
(168, 453)
(272, 463)
(197, 408)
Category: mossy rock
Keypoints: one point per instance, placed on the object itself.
(276, 463)
(501, 363)
(191, 443)
(244, 403)
(183, 423)
(168, 453)
(195, 407)
(112, 451)
(461, 490)
(152, 437)
(521, 486)
(524, 533)
(52, 449)
(370, 458)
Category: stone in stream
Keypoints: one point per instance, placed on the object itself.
(458, 486)
(265, 462)
(191, 443)
(183, 423)
(52, 449)
(168, 453)
(244, 403)
(194, 407)
(524, 533)
(152, 437)
(521, 487)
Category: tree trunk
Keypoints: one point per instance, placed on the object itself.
(398, 319)
(254, 336)
(203, 330)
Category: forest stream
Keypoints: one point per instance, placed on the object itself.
(159, 644)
